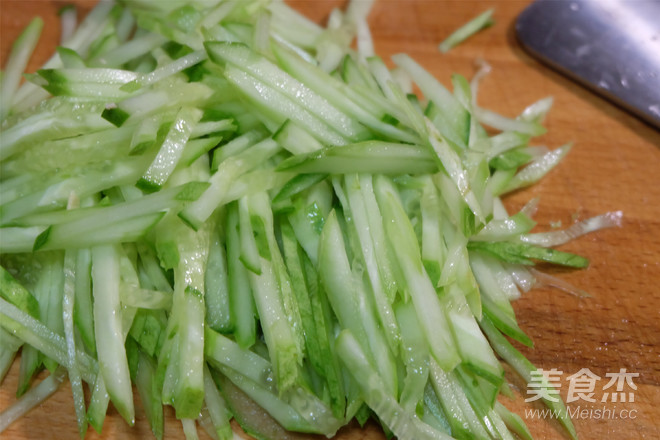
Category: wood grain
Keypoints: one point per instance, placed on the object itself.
(614, 165)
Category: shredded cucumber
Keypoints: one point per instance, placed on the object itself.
(225, 205)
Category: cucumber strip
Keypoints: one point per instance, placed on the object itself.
(415, 357)
(249, 253)
(360, 220)
(350, 302)
(217, 407)
(365, 43)
(152, 268)
(495, 120)
(536, 170)
(328, 366)
(455, 206)
(261, 37)
(281, 411)
(324, 321)
(221, 350)
(505, 282)
(273, 296)
(123, 231)
(403, 424)
(14, 292)
(84, 218)
(475, 395)
(187, 393)
(236, 146)
(556, 238)
(505, 229)
(307, 219)
(82, 91)
(434, 249)
(293, 26)
(512, 159)
(472, 346)
(501, 143)
(98, 404)
(197, 212)
(196, 148)
(241, 300)
(374, 157)
(337, 94)
(382, 76)
(273, 76)
(33, 332)
(252, 417)
(176, 66)
(154, 101)
(523, 253)
(278, 107)
(89, 75)
(294, 265)
(253, 374)
(454, 168)
(113, 365)
(264, 71)
(30, 94)
(525, 368)
(495, 301)
(8, 352)
(216, 14)
(144, 382)
(461, 416)
(106, 40)
(68, 302)
(536, 111)
(31, 361)
(134, 296)
(355, 75)
(171, 150)
(130, 50)
(16, 240)
(190, 429)
(146, 133)
(48, 292)
(295, 139)
(69, 153)
(216, 285)
(481, 21)
(68, 22)
(124, 25)
(513, 421)
(402, 237)
(207, 128)
(456, 117)
(54, 119)
(434, 415)
(377, 231)
(87, 183)
(296, 185)
(17, 62)
(32, 399)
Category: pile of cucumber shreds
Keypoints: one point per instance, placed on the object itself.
(226, 208)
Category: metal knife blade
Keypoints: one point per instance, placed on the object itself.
(611, 46)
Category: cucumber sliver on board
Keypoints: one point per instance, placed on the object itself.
(232, 210)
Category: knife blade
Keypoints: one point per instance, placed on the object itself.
(611, 46)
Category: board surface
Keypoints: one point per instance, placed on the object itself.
(614, 165)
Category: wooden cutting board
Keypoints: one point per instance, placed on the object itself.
(614, 165)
